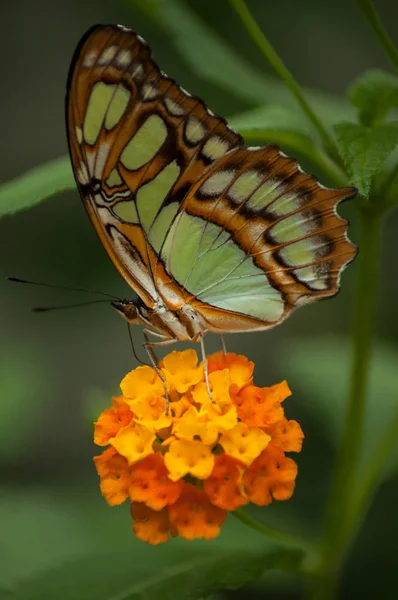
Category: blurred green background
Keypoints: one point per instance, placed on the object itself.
(58, 370)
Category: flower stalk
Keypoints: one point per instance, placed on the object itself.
(281, 70)
(373, 18)
(343, 499)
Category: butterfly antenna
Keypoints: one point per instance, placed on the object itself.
(63, 306)
(137, 358)
(61, 287)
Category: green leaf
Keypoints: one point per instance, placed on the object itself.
(292, 132)
(214, 60)
(24, 378)
(364, 151)
(72, 545)
(36, 185)
(274, 118)
(374, 94)
(275, 125)
(174, 573)
(320, 368)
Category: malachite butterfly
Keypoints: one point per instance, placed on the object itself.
(212, 235)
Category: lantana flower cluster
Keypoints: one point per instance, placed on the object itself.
(184, 468)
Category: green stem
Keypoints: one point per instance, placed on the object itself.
(279, 67)
(388, 189)
(380, 31)
(343, 498)
(325, 583)
(374, 472)
(269, 532)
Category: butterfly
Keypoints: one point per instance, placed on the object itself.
(212, 235)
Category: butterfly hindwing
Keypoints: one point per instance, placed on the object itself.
(138, 142)
(260, 236)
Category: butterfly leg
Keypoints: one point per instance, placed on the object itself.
(224, 348)
(205, 369)
(153, 358)
(137, 358)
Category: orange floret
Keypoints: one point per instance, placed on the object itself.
(240, 368)
(150, 412)
(287, 435)
(181, 371)
(141, 383)
(189, 457)
(194, 516)
(219, 384)
(260, 407)
(244, 443)
(134, 442)
(150, 483)
(111, 420)
(191, 426)
(114, 472)
(224, 487)
(271, 476)
(149, 525)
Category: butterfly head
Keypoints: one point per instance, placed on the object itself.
(128, 309)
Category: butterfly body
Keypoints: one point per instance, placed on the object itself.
(210, 234)
(169, 325)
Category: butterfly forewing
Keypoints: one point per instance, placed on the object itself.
(138, 142)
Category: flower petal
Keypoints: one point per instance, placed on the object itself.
(191, 427)
(151, 485)
(271, 475)
(185, 457)
(134, 442)
(181, 371)
(260, 407)
(239, 367)
(287, 435)
(111, 420)
(244, 443)
(194, 516)
(224, 487)
(150, 526)
(141, 383)
(114, 472)
(219, 384)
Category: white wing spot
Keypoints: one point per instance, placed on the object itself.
(107, 55)
(137, 72)
(244, 186)
(90, 59)
(124, 58)
(215, 147)
(194, 130)
(100, 160)
(173, 108)
(149, 91)
(90, 156)
(82, 174)
(217, 183)
(79, 134)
